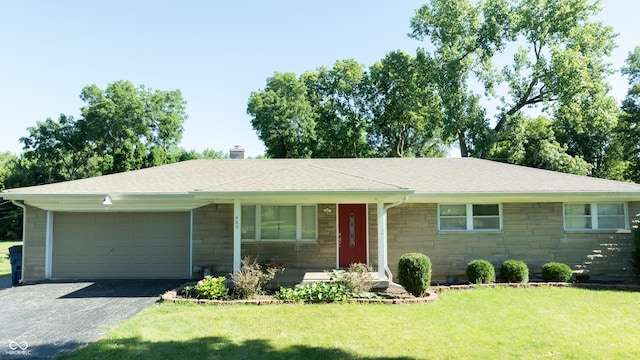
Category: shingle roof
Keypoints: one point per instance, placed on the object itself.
(422, 175)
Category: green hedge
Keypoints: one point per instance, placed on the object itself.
(481, 272)
(514, 271)
(555, 271)
(414, 273)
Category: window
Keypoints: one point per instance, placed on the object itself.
(279, 222)
(595, 216)
(469, 217)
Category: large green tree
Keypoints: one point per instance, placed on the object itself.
(559, 63)
(336, 97)
(283, 117)
(629, 125)
(122, 128)
(405, 111)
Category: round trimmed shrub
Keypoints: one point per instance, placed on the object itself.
(514, 271)
(414, 273)
(481, 272)
(555, 271)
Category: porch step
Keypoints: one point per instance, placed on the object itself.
(313, 277)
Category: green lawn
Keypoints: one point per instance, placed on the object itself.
(503, 323)
(5, 265)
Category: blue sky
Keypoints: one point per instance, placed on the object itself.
(216, 53)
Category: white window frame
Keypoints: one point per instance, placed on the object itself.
(299, 238)
(470, 217)
(595, 226)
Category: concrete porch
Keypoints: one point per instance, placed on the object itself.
(292, 277)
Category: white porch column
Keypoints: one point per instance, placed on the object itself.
(48, 246)
(382, 239)
(237, 220)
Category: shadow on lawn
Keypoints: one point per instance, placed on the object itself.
(208, 348)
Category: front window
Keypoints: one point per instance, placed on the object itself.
(595, 216)
(469, 217)
(279, 222)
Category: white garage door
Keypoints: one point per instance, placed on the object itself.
(120, 245)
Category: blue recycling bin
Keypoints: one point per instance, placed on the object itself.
(15, 257)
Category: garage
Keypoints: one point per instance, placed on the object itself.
(121, 245)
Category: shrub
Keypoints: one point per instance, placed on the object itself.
(250, 280)
(481, 272)
(320, 291)
(357, 279)
(555, 271)
(514, 271)
(414, 273)
(211, 288)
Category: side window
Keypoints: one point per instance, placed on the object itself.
(470, 217)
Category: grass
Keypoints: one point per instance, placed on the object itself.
(501, 323)
(5, 264)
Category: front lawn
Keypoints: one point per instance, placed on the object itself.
(481, 323)
(5, 264)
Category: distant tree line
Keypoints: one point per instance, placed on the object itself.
(421, 104)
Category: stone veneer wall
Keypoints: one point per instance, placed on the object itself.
(33, 251)
(213, 242)
(532, 232)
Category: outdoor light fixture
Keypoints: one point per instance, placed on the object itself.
(106, 201)
(327, 211)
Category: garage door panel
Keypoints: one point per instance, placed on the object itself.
(121, 245)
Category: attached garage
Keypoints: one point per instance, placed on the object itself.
(121, 245)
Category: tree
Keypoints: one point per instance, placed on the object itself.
(61, 150)
(559, 60)
(629, 125)
(283, 117)
(10, 215)
(464, 42)
(405, 112)
(336, 96)
(532, 142)
(122, 128)
(127, 125)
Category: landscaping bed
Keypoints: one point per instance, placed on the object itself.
(391, 295)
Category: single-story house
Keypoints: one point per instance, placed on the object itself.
(322, 214)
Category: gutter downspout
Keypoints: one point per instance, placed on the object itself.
(24, 233)
(382, 233)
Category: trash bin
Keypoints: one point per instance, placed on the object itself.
(15, 257)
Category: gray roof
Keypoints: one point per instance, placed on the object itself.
(419, 175)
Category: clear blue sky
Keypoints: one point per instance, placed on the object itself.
(215, 52)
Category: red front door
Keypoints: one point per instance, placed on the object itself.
(352, 234)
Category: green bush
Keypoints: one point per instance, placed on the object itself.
(481, 272)
(319, 291)
(211, 288)
(357, 279)
(514, 271)
(414, 273)
(555, 271)
(249, 281)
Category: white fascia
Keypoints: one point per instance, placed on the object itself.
(493, 197)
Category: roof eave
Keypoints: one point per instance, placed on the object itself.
(303, 196)
(471, 197)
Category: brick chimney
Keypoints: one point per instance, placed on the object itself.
(237, 152)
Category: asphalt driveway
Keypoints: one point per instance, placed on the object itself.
(45, 320)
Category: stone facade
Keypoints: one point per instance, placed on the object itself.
(532, 232)
(33, 251)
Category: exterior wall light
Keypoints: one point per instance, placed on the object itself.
(106, 201)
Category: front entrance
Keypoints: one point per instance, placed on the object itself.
(352, 234)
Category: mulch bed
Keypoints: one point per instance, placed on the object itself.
(395, 295)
